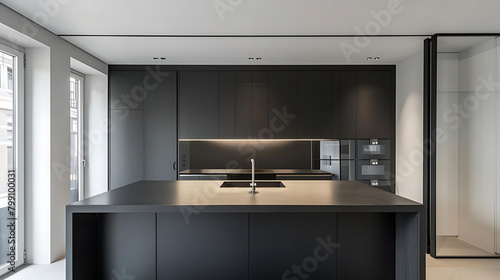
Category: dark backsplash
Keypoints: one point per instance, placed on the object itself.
(237, 154)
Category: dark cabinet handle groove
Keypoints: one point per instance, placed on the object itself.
(174, 166)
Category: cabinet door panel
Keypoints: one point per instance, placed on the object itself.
(348, 93)
(227, 103)
(201, 247)
(367, 248)
(243, 100)
(198, 105)
(335, 104)
(315, 104)
(259, 105)
(374, 104)
(124, 237)
(126, 89)
(127, 147)
(160, 130)
(281, 241)
(283, 104)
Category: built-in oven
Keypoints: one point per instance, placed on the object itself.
(374, 149)
(373, 169)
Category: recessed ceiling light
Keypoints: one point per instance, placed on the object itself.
(376, 58)
(369, 58)
(250, 58)
(258, 58)
(163, 58)
(155, 58)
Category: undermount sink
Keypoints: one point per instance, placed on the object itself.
(246, 184)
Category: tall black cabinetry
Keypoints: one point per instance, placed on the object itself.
(143, 125)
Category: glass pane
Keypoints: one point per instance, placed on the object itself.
(467, 153)
(6, 151)
(75, 138)
(10, 79)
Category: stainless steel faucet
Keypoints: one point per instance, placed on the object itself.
(253, 184)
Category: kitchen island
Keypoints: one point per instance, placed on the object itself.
(197, 230)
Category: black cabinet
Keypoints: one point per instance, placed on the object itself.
(366, 104)
(121, 238)
(243, 104)
(143, 118)
(259, 105)
(347, 102)
(374, 104)
(201, 246)
(227, 104)
(243, 107)
(293, 246)
(198, 104)
(336, 104)
(160, 134)
(283, 104)
(367, 246)
(235, 104)
(315, 104)
(126, 90)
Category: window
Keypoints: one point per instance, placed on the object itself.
(11, 159)
(76, 135)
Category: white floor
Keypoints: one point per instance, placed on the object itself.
(454, 246)
(437, 269)
(463, 269)
(55, 271)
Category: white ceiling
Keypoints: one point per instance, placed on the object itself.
(254, 17)
(458, 44)
(292, 51)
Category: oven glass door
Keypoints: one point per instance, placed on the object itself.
(374, 149)
(373, 170)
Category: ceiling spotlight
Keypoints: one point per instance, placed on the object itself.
(250, 58)
(258, 58)
(376, 58)
(155, 58)
(163, 58)
(369, 58)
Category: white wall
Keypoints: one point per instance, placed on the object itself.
(96, 124)
(477, 146)
(37, 150)
(447, 149)
(47, 132)
(409, 129)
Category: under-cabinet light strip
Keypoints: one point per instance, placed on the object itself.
(247, 140)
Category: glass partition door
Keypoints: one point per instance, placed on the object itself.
(467, 187)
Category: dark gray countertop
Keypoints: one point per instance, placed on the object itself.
(207, 196)
(248, 171)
